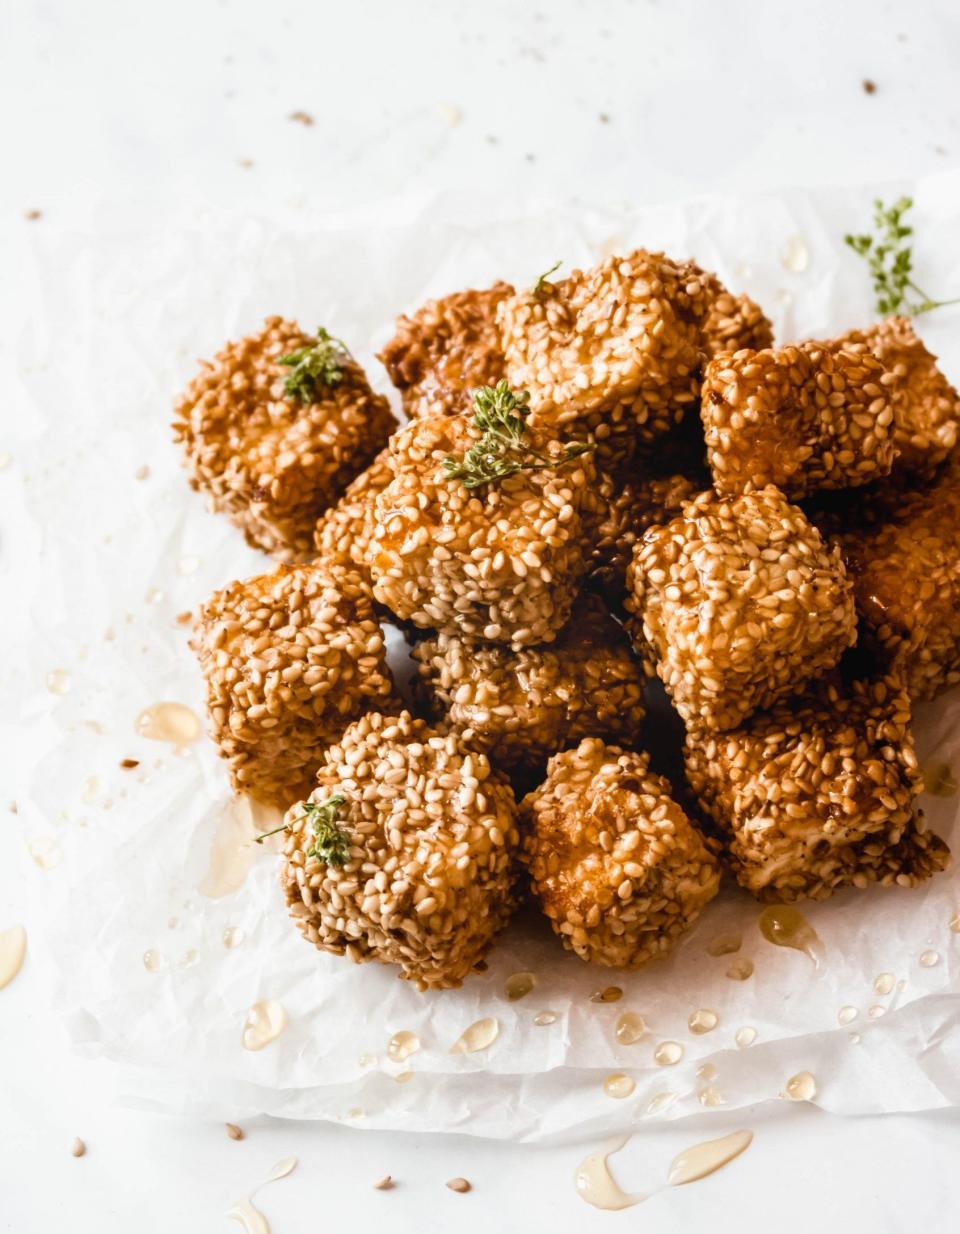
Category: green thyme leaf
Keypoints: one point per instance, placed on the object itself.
(331, 844)
(501, 415)
(318, 364)
(889, 255)
(542, 279)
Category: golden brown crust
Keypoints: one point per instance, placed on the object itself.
(289, 658)
(431, 829)
(522, 706)
(444, 350)
(740, 603)
(814, 416)
(501, 562)
(613, 860)
(270, 463)
(818, 793)
(926, 407)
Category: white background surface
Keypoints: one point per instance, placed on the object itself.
(157, 105)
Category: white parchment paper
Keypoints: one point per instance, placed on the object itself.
(96, 564)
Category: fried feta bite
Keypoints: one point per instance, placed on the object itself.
(445, 350)
(926, 407)
(289, 659)
(522, 706)
(344, 533)
(902, 550)
(482, 540)
(612, 353)
(739, 602)
(402, 853)
(818, 792)
(631, 507)
(733, 322)
(614, 862)
(814, 416)
(275, 428)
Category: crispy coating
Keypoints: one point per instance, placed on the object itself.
(611, 353)
(446, 349)
(431, 830)
(522, 706)
(289, 658)
(502, 562)
(613, 860)
(818, 793)
(902, 549)
(740, 602)
(814, 416)
(926, 407)
(344, 533)
(270, 463)
(632, 506)
(733, 322)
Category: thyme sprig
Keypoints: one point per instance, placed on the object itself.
(889, 254)
(501, 415)
(542, 279)
(318, 364)
(331, 844)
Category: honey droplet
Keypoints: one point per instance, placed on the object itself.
(629, 1028)
(519, 985)
(171, 722)
(233, 936)
(610, 994)
(725, 944)
(595, 1184)
(618, 1085)
(153, 596)
(660, 1101)
(697, 1162)
(785, 926)
(543, 1018)
(249, 1217)
(479, 1036)
(740, 970)
(846, 1015)
(939, 780)
(404, 1076)
(668, 1053)
(152, 961)
(745, 1037)
(46, 852)
(58, 681)
(706, 1071)
(876, 1012)
(283, 1168)
(854, 1038)
(13, 947)
(795, 255)
(703, 1021)
(930, 959)
(367, 1060)
(801, 1087)
(884, 983)
(264, 1022)
(402, 1045)
(710, 1097)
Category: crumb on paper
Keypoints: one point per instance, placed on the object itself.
(142, 472)
(301, 117)
(32, 215)
(183, 618)
(604, 118)
(869, 87)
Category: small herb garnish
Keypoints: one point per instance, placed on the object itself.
(331, 844)
(889, 255)
(501, 416)
(318, 364)
(542, 279)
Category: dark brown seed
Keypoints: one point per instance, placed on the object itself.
(301, 117)
(869, 87)
(129, 763)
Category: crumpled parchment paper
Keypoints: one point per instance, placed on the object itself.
(99, 558)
